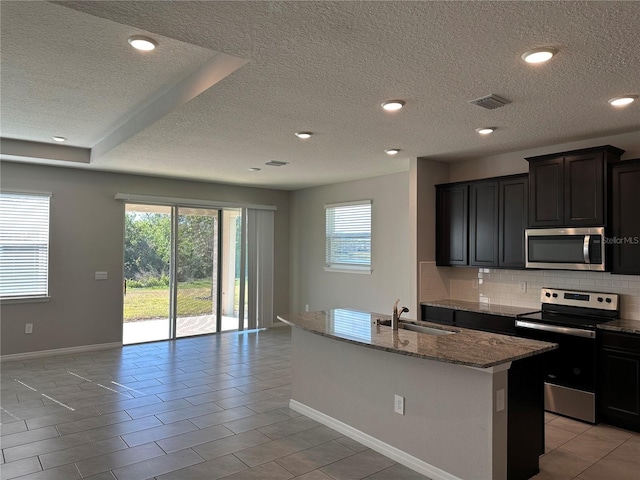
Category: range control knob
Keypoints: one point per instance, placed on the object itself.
(600, 299)
(547, 294)
(555, 295)
(608, 300)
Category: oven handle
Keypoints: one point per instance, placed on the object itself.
(585, 249)
(576, 332)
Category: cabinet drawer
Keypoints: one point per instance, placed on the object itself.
(486, 322)
(442, 315)
(620, 341)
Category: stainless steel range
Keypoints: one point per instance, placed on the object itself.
(570, 318)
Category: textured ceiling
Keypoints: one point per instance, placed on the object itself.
(319, 66)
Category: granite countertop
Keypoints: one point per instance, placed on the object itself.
(621, 325)
(466, 347)
(503, 310)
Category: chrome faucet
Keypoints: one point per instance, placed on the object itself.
(395, 319)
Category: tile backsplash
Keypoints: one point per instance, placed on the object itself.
(504, 287)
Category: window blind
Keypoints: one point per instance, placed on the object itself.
(348, 234)
(24, 245)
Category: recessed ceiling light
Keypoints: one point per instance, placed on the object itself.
(392, 151)
(304, 135)
(393, 105)
(539, 55)
(142, 43)
(486, 130)
(254, 169)
(59, 139)
(622, 101)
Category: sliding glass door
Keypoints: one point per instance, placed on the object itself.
(197, 270)
(147, 273)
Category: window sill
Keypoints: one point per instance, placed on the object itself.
(11, 300)
(348, 269)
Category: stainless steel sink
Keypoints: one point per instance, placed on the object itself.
(423, 329)
(417, 328)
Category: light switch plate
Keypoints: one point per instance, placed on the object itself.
(398, 405)
(101, 275)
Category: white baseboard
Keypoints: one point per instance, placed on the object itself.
(373, 443)
(58, 351)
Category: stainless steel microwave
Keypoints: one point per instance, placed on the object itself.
(565, 248)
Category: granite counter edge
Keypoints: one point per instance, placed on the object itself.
(417, 355)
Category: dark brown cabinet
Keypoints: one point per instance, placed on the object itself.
(625, 224)
(619, 388)
(452, 218)
(513, 220)
(488, 231)
(486, 322)
(569, 189)
(483, 224)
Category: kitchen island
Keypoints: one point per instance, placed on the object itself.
(348, 370)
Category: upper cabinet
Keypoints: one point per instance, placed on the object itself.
(625, 227)
(452, 217)
(482, 223)
(569, 189)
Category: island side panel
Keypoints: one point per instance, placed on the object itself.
(449, 420)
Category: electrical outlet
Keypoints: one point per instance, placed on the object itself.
(523, 287)
(474, 284)
(28, 328)
(398, 406)
(306, 307)
(101, 275)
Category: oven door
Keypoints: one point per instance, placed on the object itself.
(565, 248)
(573, 363)
(569, 387)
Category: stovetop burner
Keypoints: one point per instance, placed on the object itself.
(571, 308)
(564, 320)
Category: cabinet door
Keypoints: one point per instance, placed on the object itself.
(452, 215)
(625, 199)
(513, 220)
(584, 190)
(483, 224)
(620, 393)
(546, 193)
(619, 379)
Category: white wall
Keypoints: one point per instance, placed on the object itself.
(86, 235)
(391, 264)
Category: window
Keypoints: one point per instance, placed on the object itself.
(24, 245)
(348, 239)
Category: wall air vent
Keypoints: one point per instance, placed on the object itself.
(490, 102)
(276, 163)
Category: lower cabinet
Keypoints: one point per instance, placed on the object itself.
(619, 379)
(486, 322)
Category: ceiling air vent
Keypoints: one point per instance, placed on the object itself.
(490, 102)
(276, 163)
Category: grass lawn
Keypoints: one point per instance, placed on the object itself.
(147, 303)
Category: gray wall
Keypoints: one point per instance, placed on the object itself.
(86, 235)
(391, 263)
(514, 162)
(450, 420)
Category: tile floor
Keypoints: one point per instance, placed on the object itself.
(217, 407)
